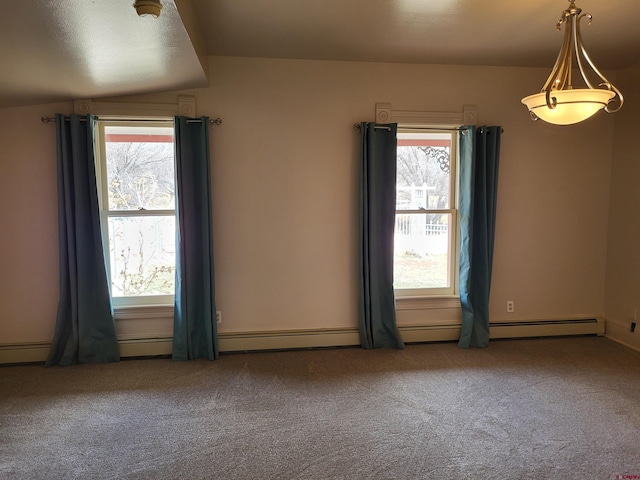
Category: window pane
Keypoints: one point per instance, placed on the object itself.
(421, 251)
(140, 167)
(142, 251)
(423, 175)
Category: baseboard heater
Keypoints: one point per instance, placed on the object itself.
(548, 328)
(160, 345)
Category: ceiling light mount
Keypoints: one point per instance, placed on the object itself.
(148, 7)
(559, 102)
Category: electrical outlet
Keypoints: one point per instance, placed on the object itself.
(219, 316)
(511, 307)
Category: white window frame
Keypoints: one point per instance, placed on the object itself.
(453, 210)
(105, 213)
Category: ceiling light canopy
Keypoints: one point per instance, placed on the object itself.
(148, 7)
(559, 102)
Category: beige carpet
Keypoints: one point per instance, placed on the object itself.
(563, 408)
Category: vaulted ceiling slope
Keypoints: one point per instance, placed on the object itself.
(70, 49)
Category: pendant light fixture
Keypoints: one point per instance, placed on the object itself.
(559, 102)
(148, 7)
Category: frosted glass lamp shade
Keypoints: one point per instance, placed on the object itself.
(573, 106)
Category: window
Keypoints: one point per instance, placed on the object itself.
(425, 248)
(136, 179)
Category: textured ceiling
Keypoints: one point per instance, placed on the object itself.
(70, 49)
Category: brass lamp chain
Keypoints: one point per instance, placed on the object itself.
(561, 77)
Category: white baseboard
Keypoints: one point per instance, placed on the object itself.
(155, 346)
(548, 328)
(287, 339)
(159, 345)
(514, 329)
(430, 333)
(129, 347)
(24, 352)
(619, 332)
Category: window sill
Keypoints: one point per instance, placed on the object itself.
(439, 302)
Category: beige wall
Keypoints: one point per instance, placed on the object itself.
(623, 260)
(285, 195)
(28, 218)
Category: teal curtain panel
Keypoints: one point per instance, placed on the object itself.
(377, 309)
(85, 329)
(194, 330)
(479, 162)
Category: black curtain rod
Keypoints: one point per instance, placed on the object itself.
(356, 126)
(45, 119)
(212, 121)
